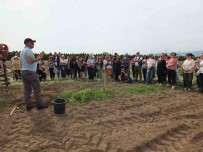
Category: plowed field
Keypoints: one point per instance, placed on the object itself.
(170, 122)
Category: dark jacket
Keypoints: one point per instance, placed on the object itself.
(161, 66)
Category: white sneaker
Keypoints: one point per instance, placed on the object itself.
(157, 83)
(188, 89)
(160, 84)
(168, 85)
(173, 87)
(185, 89)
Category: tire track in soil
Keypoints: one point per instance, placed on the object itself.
(16, 134)
(171, 140)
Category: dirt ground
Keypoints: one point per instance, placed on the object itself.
(168, 122)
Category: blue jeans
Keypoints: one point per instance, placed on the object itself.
(150, 73)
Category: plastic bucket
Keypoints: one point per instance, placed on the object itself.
(59, 106)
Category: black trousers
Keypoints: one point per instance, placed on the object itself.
(91, 73)
(133, 70)
(17, 74)
(144, 71)
(117, 73)
(172, 77)
(68, 72)
(77, 72)
(161, 77)
(52, 74)
(187, 80)
(201, 81)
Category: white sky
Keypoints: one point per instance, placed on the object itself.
(75, 26)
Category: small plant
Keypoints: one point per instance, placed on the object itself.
(142, 89)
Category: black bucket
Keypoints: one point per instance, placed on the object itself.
(59, 106)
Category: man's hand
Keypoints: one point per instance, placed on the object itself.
(41, 55)
(33, 60)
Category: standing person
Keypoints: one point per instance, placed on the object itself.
(138, 65)
(72, 66)
(51, 67)
(161, 69)
(188, 69)
(118, 64)
(177, 71)
(85, 60)
(16, 64)
(100, 67)
(144, 68)
(201, 73)
(113, 69)
(197, 70)
(171, 66)
(77, 70)
(81, 65)
(126, 64)
(68, 67)
(109, 67)
(63, 66)
(56, 59)
(132, 61)
(151, 62)
(29, 75)
(91, 66)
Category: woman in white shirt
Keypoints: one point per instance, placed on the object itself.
(150, 69)
(201, 73)
(188, 69)
(63, 66)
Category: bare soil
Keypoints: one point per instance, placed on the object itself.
(168, 122)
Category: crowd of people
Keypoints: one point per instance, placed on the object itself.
(139, 68)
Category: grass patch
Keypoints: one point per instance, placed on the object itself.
(86, 95)
(142, 89)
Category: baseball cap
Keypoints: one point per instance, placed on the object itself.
(28, 40)
(190, 54)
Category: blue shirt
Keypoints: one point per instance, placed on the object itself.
(25, 65)
(126, 62)
(91, 62)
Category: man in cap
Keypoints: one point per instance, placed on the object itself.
(29, 75)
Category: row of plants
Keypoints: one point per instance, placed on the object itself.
(89, 94)
(86, 95)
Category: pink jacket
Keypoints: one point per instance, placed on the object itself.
(172, 64)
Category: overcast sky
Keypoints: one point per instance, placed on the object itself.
(121, 26)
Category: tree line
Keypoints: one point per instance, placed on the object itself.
(12, 54)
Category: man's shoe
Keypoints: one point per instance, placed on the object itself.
(28, 108)
(42, 107)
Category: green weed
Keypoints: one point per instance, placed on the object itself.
(86, 95)
(142, 89)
